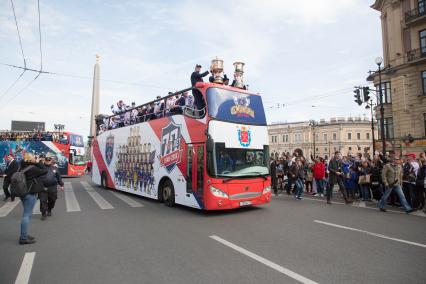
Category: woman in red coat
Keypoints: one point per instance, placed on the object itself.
(319, 175)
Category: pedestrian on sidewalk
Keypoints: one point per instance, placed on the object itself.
(297, 173)
(33, 172)
(336, 177)
(51, 181)
(11, 168)
(319, 175)
(392, 181)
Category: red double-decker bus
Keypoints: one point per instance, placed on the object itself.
(211, 154)
(65, 147)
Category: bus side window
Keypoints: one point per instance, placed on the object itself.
(189, 170)
(200, 170)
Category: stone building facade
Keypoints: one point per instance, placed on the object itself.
(348, 135)
(404, 76)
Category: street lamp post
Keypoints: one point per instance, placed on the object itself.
(370, 106)
(312, 123)
(379, 62)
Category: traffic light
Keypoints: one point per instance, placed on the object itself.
(366, 93)
(357, 97)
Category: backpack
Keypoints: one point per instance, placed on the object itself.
(18, 183)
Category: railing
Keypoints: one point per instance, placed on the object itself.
(414, 14)
(127, 117)
(416, 54)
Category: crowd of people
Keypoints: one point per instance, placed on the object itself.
(34, 176)
(33, 136)
(124, 115)
(389, 179)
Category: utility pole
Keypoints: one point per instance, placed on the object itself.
(370, 106)
(379, 62)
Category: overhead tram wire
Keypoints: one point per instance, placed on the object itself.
(22, 52)
(87, 77)
(25, 64)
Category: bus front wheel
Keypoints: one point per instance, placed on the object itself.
(168, 194)
(104, 180)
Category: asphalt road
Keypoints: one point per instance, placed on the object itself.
(137, 240)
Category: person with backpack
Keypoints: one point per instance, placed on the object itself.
(26, 184)
(50, 194)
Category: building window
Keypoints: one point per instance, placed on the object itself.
(388, 128)
(274, 139)
(334, 136)
(285, 138)
(325, 150)
(316, 137)
(358, 136)
(424, 82)
(359, 148)
(424, 122)
(422, 38)
(349, 136)
(325, 137)
(367, 136)
(421, 5)
(350, 148)
(298, 137)
(386, 91)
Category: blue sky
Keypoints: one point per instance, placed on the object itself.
(307, 55)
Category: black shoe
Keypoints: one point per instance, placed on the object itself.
(410, 211)
(43, 217)
(27, 241)
(382, 209)
(30, 237)
(49, 213)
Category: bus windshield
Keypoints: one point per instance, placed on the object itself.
(77, 160)
(235, 162)
(233, 106)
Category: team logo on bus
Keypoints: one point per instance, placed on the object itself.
(109, 149)
(171, 151)
(242, 107)
(244, 136)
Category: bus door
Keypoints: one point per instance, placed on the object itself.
(195, 171)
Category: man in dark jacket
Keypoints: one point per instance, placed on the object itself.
(336, 176)
(11, 168)
(32, 176)
(196, 76)
(50, 194)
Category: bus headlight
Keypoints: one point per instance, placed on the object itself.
(266, 189)
(217, 192)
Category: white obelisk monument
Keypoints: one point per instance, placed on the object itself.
(95, 98)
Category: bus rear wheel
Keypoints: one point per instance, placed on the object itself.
(104, 181)
(168, 194)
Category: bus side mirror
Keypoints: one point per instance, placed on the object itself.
(209, 145)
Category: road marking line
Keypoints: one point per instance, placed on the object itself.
(8, 207)
(264, 261)
(36, 209)
(370, 233)
(70, 199)
(102, 203)
(417, 213)
(26, 267)
(128, 200)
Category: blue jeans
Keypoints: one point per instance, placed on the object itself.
(398, 190)
(320, 185)
(28, 202)
(365, 191)
(299, 188)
